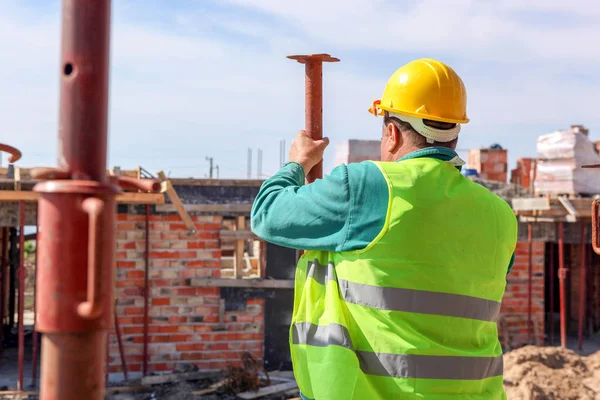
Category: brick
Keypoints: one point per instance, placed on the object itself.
(126, 264)
(135, 274)
(162, 301)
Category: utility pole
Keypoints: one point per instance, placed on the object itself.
(217, 168)
(210, 170)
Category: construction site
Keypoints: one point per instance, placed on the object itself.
(143, 286)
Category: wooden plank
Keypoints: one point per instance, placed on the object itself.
(126, 198)
(187, 220)
(126, 389)
(240, 225)
(141, 198)
(530, 203)
(212, 388)
(282, 387)
(568, 206)
(217, 182)
(233, 235)
(184, 376)
(26, 174)
(212, 208)
(244, 283)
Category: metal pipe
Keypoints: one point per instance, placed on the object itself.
(15, 154)
(3, 281)
(314, 101)
(146, 289)
(120, 343)
(107, 364)
(34, 357)
(562, 275)
(582, 291)
(77, 214)
(590, 290)
(530, 283)
(551, 272)
(21, 275)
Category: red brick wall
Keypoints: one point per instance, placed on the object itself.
(185, 325)
(514, 312)
(491, 164)
(522, 174)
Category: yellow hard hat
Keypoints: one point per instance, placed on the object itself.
(427, 89)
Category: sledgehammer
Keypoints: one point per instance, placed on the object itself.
(314, 101)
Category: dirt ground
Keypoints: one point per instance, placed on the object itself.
(551, 373)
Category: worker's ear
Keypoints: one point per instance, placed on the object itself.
(394, 137)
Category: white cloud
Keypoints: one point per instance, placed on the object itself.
(180, 92)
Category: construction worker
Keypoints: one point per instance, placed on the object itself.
(399, 290)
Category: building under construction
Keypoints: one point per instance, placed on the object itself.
(196, 296)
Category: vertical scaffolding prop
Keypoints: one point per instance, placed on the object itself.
(530, 282)
(582, 287)
(21, 275)
(551, 271)
(34, 357)
(562, 275)
(3, 283)
(314, 101)
(77, 214)
(146, 289)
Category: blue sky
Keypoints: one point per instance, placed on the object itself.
(197, 78)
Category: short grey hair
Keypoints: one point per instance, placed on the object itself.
(414, 137)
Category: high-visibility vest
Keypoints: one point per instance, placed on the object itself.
(413, 315)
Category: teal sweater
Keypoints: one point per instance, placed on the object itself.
(344, 211)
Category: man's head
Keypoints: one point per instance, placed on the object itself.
(423, 105)
(399, 138)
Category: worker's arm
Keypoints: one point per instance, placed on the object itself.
(343, 211)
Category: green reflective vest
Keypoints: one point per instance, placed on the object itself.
(413, 315)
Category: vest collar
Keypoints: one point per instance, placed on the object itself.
(439, 153)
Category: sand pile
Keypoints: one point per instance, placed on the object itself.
(553, 373)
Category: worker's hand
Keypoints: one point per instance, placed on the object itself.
(307, 152)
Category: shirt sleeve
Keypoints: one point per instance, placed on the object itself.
(510, 265)
(343, 211)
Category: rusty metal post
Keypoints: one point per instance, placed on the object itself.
(146, 289)
(34, 357)
(562, 275)
(120, 344)
(77, 214)
(530, 282)
(551, 272)
(314, 101)
(21, 275)
(582, 291)
(3, 282)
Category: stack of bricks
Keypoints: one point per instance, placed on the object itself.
(513, 324)
(522, 174)
(491, 164)
(187, 324)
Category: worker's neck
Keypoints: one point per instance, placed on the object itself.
(403, 151)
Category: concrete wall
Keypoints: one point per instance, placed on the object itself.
(350, 151)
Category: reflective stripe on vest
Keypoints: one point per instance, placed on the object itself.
(408, 300)
(399, 365)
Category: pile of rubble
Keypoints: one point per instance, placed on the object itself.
(532, 373)
(248, 380)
